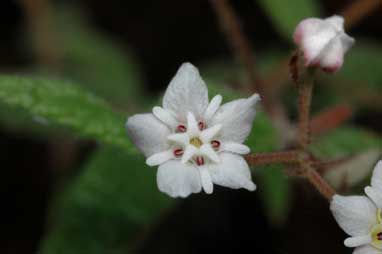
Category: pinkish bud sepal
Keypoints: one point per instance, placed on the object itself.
(323, 42)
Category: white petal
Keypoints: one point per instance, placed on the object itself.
(375, 195)
(192, 125)
(205, 177)
(232, 172)
(208, 134)
(355, 214)
(165, 116)
(186, 92)
(159, 158)
(213, 107)
(148, 133)
(237, 118)
(347, 42)
(207, 150)
(323, 42)
(305, 28)
(313, 45)
(376, 179)
(357, 241)
(189, 152)
(337, 22)
(180, 138)
(367, 249)
(178, 179)
(332, 56)
(235, 148)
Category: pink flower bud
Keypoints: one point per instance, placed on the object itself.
(323, 42)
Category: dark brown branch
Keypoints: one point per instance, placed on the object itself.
(230, 25)
(304, 100)
(318, 182)
(359, 9)
(272, 158)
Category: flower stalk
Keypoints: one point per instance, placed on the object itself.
(304, 102)
(271, 158)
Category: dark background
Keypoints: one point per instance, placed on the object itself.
(162, 34)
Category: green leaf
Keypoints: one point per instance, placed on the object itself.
(275, 191)
(356, 70)
(345, 141)
(360, 77)
(285, 15)
(106, 206)
(66, 105)
(94, 60)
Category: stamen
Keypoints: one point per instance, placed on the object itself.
(201, 125)
(181, 128)
(178, 152)
(215, 144)
(199, 161)
(196, 142)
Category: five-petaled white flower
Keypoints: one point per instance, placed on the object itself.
(195, 142)
(360, 216)
(323, 42)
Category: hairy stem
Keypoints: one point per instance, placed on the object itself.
(271, 158)
(304, 101)
(318, 182)
(240, 45)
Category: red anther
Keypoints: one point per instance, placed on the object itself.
(215, 144)
(181, 128)
(379, 236)
(201, 125)
(199, 161)
(178, 152)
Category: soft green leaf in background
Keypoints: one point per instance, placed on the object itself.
(275, 190)
(67, 105)
(345, 141)
(285, 15)
(105, 207)
(360, 77)
(94, 60)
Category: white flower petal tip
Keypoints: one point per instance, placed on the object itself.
(255, 97)
(205, 178)
(213, 107)
(159, 158)
(236, 148)
(352, 242)
(186, 92)
(323, 42)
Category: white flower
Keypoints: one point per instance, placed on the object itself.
(323, 42)
(360, 216)
(195, 142)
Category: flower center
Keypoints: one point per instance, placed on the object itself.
(196, 142)
(376, 232)
(376, 235)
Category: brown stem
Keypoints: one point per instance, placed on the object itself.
(243, 52)
(359, 9)
(230, 25)
(38, 16)
(318, 182)
(304, 101)
(271, 158)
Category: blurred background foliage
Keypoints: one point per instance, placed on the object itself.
(79, 68)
